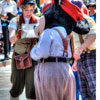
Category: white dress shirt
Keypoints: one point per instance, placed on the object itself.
(50, 44)
(10, 7)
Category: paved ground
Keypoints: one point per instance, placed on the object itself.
(5, 72)
(5, 84)
(6, 62)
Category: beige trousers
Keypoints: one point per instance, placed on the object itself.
(54, 81)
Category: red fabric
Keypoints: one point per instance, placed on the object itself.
(21, 1)
(52, 1)
(85, 10)
(32, 20)
(71, 9)
(45, 7)
(22, 21)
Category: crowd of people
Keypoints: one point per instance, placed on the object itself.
(59, 61)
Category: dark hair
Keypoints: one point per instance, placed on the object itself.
(55, 16)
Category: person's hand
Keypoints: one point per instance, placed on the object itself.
(77, 54)
(5, 17)
(74, 66)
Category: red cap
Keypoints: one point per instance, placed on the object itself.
(71, 9)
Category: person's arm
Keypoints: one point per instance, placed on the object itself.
(42, 49)
(12, 35)
(12, 30)
(2, 15)
(91, 37)
(88, 41)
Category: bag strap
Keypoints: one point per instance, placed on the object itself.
(82, 41)
(18, 22)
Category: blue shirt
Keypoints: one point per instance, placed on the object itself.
(19, 11)
(93, 17)
(41, 6)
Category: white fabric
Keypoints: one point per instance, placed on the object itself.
(50, 44)
(1, 9)
(9, 7)
(13, 22)
(28, 30)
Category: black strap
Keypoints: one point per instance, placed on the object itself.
(57, 59)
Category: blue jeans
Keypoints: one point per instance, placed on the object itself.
(77, 85)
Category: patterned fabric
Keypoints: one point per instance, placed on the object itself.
(87, 73)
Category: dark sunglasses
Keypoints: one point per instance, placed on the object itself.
(92, 6)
